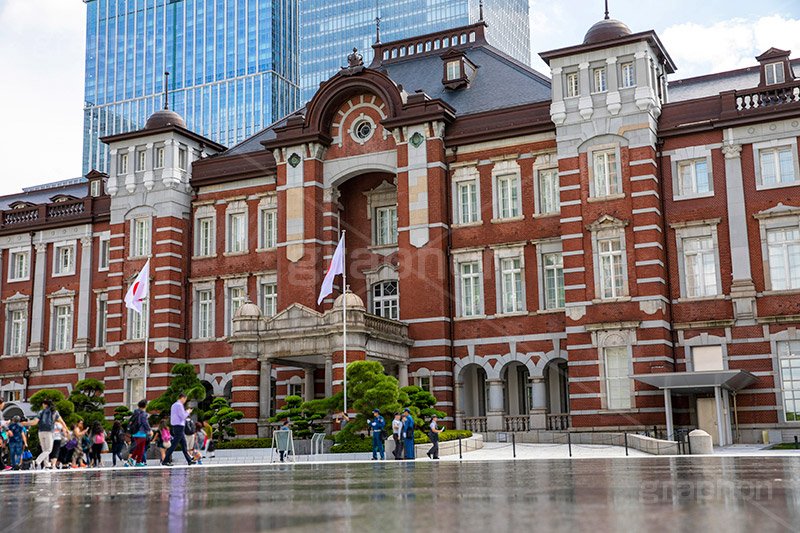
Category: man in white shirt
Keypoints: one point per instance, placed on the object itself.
(433, 453)
(397, 435)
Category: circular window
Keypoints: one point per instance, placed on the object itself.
(363, 130)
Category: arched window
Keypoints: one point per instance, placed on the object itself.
(385, 301)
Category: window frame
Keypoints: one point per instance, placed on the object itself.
(123, 163)
(631, 68)
(774, 69)
(231, 285)
(775, 145)
(472, 257)
(609, 228)
(502, 254)
(466, 175)
(786, 257)
(572, 90)
(697, 229)
(205, 245)
(141, 160)
(104, 253)
(622, 351)
(141, 237)
(159, 157)
(453, 74)
(69, 249)
(558, 269)
(101, 325)
(379, 303)
(539, 195)
(685, 156)
(268, 296)
(267, 235)
(507, 171)
(391, 238)
(16, 304)
(599, 85)
(593, 178)
(138, 323)
(13, 253)
(782, 379)
(207, 330)
(61, 339)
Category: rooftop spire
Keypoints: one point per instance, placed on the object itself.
(607, 17)
(480, 7)
(377, 22)
(166, 90)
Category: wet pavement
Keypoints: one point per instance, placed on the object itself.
(598, 494)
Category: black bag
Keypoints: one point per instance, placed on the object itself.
(133, 424)
(189, 427)
(384, 435)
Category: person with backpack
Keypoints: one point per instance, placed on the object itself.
(139, 427)
(116, 441)
(17, 441)
(408, 431)
(97, 439)
(191, 434)
(46, 420)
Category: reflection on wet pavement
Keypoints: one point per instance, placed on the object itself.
(659, 493)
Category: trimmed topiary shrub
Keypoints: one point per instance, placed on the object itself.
(243, 444)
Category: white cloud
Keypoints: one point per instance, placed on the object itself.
(699, 49)
(42, 44)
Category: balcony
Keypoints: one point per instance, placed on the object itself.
(54, 214)
(558, 422)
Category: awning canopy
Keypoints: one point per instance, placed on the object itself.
(704, 381)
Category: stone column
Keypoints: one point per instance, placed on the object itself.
(402, 374)
(494, 419)
(82, 343)
(613, 100)
(264, 397)
(36, 347)
(309, 384)
(538, 410)
(743, 292)
(328, 375)
(458, 392)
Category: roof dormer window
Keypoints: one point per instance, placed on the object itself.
(774, 73)
(453, 70)
(458, 70)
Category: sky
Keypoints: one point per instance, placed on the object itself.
(42, 45)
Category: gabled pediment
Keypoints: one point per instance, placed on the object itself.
(606, 222)
(779, 210)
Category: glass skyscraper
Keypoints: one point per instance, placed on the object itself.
(234, 67)
(329, 29)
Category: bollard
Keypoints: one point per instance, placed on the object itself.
(569, 444)
(626, 444)
(514, 444)
(459, 447)
(796, 443)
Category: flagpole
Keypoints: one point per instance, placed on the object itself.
(146, 337)
(344, 317)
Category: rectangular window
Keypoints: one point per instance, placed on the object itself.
(65, 260)
(776, 166)
(138, 322)
(508, 196)
(19, 267)
(160, 157)
(701, 267)
(467, 202)
(572, 85)
(205, 236)
(424, 383)
(600, 80)
(102, 323)
(774, 73)
(618, 389)
(553, 281)
(783, 247)
(141, 237)
(237, 233)
(123, 164)
(269, 228)
(205, 314)
(182, 158)
(789, 358)
(296, 389)
(386, 225)
(453, 70)
(135, 391)
(693, 177)
(470, 289)
(141, 160)
(16, 341)
(385, 300)
(707, 358)
(269, 299)
(606, 177)
(628, 79)
(63, 328)
(511, 280)
(236, 298)
(549, 194)
(612, 279)
(104, 254)
(96, 188)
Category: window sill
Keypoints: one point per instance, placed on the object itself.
(262, 250)
(780, 292)
(383, 249)
(18, 280)
(201, 257)
(694, 196)
(58, 352)
(62, 274)
(467, 224)
(777, 186)
(610, 197)
(617, 411)
(105, 269)
(234, 254)
(620, 299)
(133, 341)
(198, 340)
(554, 311)
(508, 219)
(137, 257)
(690, 299)
(13, 355)
(546, 215)
(467, 318)
(512, 314)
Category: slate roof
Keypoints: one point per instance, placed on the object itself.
(41, 194)
(499, 82)
(713, 84)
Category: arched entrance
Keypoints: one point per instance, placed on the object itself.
(473, 397)
(556, 375)
(517, 396)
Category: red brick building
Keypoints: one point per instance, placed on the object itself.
(599, 250)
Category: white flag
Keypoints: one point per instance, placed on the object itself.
(336, 268)
(138, 291)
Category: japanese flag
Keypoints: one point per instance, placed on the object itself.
(138, 291)
(336, 268)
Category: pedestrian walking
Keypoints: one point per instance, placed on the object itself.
(163, 438)
(433, 434)
(140, 430)
(116, 441)
(376, 425)
(199, 442)
(46, 420)
(59, 434)
(177, 420)
(408, 430)
(78, 436)
(284, 427)
(97, 438)
(397, 435)
(17, 441)
(3, 437)
(191, 435)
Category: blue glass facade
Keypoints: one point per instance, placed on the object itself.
(234, 66)
(329, 29)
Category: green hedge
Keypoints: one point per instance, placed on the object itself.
(365, 445)
(241, 444)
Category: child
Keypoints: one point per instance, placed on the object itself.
(164, 439)
(199, 442)
(78, 436)
(16, 442)
(98, 438)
